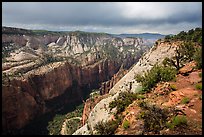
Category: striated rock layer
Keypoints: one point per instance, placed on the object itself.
(34, 94)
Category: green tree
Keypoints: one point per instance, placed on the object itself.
(182, 35)
(200, 40)
(184, 53)
(190, 36)
(176, 61)
(155, 75)
(167, 38)
(107, 128)
(187, 50)
(190, 32)
(198, 57)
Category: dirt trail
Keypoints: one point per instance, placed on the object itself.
(64, 125)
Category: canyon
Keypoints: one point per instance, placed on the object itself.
(68, 82)
(42, 71)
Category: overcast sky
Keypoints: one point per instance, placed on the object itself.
(109, 17)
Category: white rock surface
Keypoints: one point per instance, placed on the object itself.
(82, 131)
(22, 56)
(99, 113)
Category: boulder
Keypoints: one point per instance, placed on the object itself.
(187, 68)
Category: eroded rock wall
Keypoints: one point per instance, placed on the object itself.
(27, 97)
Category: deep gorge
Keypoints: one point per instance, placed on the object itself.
(80, 81)
(48, 72)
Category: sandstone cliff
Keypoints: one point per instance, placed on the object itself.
(101, 111)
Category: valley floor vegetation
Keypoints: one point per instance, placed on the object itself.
(55, 126)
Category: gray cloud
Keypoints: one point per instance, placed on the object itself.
(98, 16)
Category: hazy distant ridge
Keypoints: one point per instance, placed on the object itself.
(143, 35)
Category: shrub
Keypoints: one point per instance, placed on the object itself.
(126, 124)
(177, 121)
(154, 117)
(198, 57)
(185, 100)
(143, 91)
(198, 86)
(54, 126)
(106, 128)
(173, 87)
(124, 100)
(139, 90)
(187, 50)
(169, 125)
(155, 75)
(141, 97)
(72, 126)
(167, 73)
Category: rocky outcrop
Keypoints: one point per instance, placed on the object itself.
(176, 97)
(101, 111)
(187, 68)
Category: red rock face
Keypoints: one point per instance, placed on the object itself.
(106, 86)
(53, 83)
(104, 89)
(19, 106)
(27, 98)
